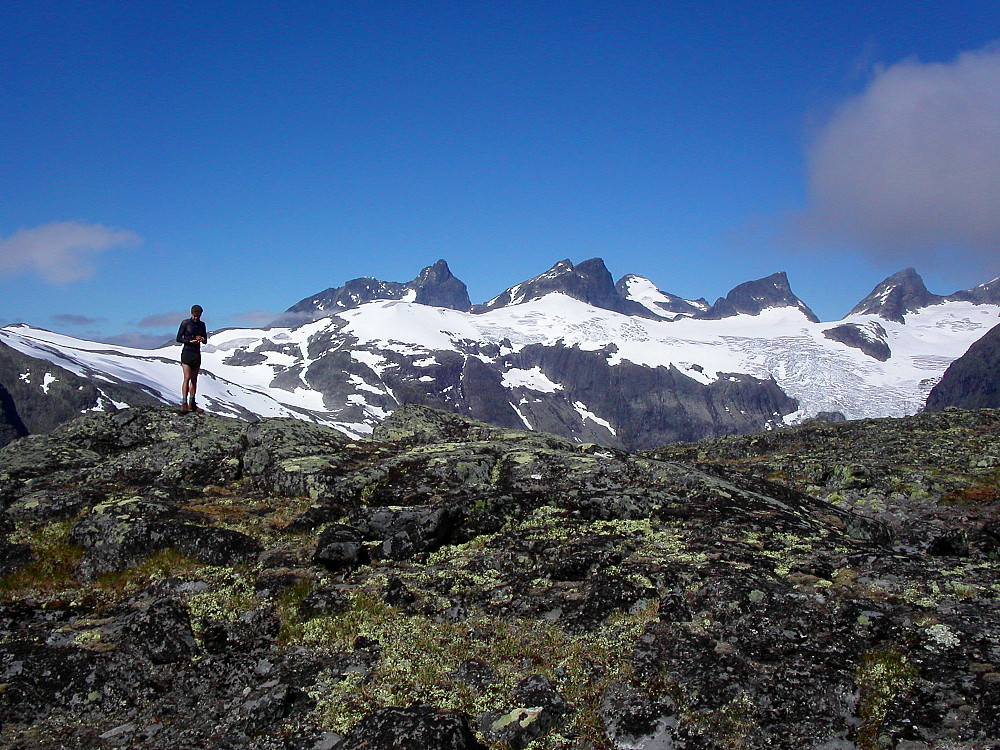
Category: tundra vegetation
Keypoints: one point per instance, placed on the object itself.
(192, 581)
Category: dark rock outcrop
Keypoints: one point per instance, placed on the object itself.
(425, 727)
(869, 338)
(973, 380)
(117, 536)
(340, 548)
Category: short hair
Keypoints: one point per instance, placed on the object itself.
(196, 310)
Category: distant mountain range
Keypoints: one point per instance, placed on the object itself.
(570, 351)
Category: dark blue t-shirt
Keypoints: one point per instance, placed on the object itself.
(187, 332)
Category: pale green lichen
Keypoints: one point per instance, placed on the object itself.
(884, 675)
(940, 637)
(226, 600)
(418, 654)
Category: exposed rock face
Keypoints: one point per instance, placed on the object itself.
(868, 337)
(620, 405)
(973, 380)
(649, 406)
(434, 285)
(188, 581)
(418, 726)
(899, 294)
(437, 286)
(988, 293)
(752, 297)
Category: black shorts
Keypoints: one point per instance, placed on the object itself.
(191, 358)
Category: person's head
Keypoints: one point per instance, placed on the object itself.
(196, 311)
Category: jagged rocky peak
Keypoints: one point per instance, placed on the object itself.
(437, 286)
(753, 297)
(899, 294)
(642, 290)
(434, 285)
(589, 281)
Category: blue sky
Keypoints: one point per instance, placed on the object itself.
(246, 155)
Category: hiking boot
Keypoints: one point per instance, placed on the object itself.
(195, 408)
(185, 408)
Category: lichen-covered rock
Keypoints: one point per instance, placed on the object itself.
(537, 708)
(165, 451)
(291, 457)
(775, 590)
(38, 455)
(118, 535)
(53, 504)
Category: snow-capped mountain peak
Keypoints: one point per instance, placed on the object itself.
(752, 297)
(589, 282)
(903, 292)
(645, 292)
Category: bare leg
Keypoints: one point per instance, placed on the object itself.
(187, 387)
(193, 384)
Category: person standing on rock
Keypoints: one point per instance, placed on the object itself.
(192, 334)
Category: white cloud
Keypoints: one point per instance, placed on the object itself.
(62, 251)
(911, 166)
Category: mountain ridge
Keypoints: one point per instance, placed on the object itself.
(541, 357)
(435, 285)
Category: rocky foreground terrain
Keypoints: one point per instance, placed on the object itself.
(191, 581)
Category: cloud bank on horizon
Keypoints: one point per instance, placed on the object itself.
(60, 252)
(910, 168)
